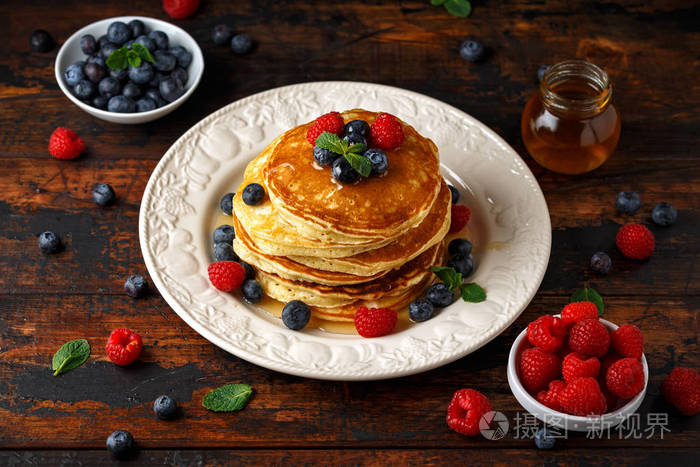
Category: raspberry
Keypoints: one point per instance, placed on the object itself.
(611, 399)
(331, 122)
(65, 144)
(547, 333)
(606, 363)
(226, 275)
(123, 346)
(582, 397)
(374, 322)
(550, 398)
(635, 241)
(538, 368)
(386, 132)
(460, 217)
(465, 410)
(627, 341)
(625, 378)
(681, 389)
(180, 9)
(577, 311)
(589, 337)
(576, 365)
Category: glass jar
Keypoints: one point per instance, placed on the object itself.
(570, 125)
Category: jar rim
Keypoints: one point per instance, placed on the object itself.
(593, 75)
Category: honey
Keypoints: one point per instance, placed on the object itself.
(570, 124)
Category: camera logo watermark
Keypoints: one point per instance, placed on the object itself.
(493, 425)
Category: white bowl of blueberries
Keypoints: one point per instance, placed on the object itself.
(129, 69)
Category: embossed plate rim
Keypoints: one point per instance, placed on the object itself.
(511, 277)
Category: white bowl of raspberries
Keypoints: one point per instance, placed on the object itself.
(129, 69)
(578, 372)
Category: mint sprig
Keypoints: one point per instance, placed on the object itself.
(228, 398)
(125, 56)
(352, 153)
(589, 295)
(470, 292)
(461, 8)
(71, 355)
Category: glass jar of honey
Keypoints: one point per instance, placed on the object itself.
(570, 125)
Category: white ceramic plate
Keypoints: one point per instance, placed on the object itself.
(180, 207)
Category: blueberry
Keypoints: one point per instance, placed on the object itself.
(121, 444)
(102, 40)
(94, 72)
(154, 95)
(160, 38)
(343, 171)
(120, 75)
(128, 43)
(455, 194)
(97, 59)
(241, 44)
(357, 127)
(664, 214)
(221, 34)
(103, 194)
(100, 102)
(420, 310)
(226, 203)
(296, 314)
(601, 262)
(628, 202)
(88, 44)
(49, 243)
(439, 295)
(355, 138)
(136, 286)
(121, 104)
(249, 270)
(252, 291)
(165, 407)
(541, 71)
(146, 42)
(109, 87)
(544, 439)
(171, 89)
(107, 49)
(224, 234)
(224, 252)
(253, 194)
(184, 58)
(131, 90)
(118, 33)
(459, 246)
(163, 61)
(378, 159)
(472, 51)
(41, 41)
(324, 156)
(145, 104)
(462, 264)
(84, 89)
(141, 74)
(137, 27)
(181, 74)
(158, 76)
(74, 73)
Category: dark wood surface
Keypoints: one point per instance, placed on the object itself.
(649, 48)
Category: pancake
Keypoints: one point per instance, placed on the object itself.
(377, 208)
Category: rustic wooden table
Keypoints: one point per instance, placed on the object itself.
(650, 49)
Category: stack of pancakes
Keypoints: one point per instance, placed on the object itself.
(337, 247)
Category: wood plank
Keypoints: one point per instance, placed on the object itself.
(99, 397)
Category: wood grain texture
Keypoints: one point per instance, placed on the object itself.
(649, 49)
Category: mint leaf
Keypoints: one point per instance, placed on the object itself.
(437, 2)
(359, 163)
(330, 141)
(449, 276)
(473, 293)
(133, 59)
(589, 295)
(227, 398)
(142, 52)
(118, 60)
(460, 8)
(71, 355)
